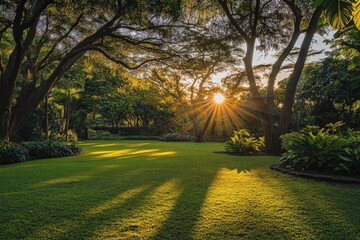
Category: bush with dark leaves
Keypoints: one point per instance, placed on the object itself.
(321, 150)
(21, 152)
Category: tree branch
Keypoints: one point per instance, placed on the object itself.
(238, 28)
(52, 49)
(121, 62)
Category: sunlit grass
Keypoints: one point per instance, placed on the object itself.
(185, 192)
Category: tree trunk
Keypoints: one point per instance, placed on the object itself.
(5, 123)
(7, 86)
(196, 129)
(11, 72)
(67, 116)
(13, 118)
(21, 112)
(207, 125)
(46, 118)
(296, 74)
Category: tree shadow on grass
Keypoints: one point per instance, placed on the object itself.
(118, 200)
(182, 220)
(94, 219)
(182, 217)
(334, 209)
(317, 210)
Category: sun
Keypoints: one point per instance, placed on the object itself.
(219, 98)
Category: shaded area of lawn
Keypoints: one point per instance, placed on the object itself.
(157, 190)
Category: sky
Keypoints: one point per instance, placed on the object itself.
(260, 58)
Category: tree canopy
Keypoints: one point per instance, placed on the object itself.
(152, 63)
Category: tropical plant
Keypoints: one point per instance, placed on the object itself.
(351, 158)
(309, 151)
(341, 13)
(244, 142)
(321, 149)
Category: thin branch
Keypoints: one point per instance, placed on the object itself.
(7, 25)
(226, 9)
(136, 42)
(61, 39)
(118, 61)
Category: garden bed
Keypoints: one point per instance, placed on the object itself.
(318, 176)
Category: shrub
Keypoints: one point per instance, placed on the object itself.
(308, 151)
(75, 150)
(72, 136)
(140, 137)
(353, 139)
(21, 152)
(105, 135)
(50, 149)
(121, 130)
(91, 134)
(101, 134)
(243, 142)
(12, 152)
(351, 159)
(176, 137)
(322, 149)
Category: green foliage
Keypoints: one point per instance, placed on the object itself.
(308, 151)
(91, 134)
(353, 138)
(107, 135)
(333, 128)
(50, 149)
(139, 137)
(72, 136)
(356, 14)
(120, 130)
(351, 157)
(243, 142)
(12, 152)
(338, 13)
(100, 134)
(21, 152)
(329, 92)
(176, 137)
(322, 149)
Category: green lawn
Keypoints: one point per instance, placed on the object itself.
(157, 190)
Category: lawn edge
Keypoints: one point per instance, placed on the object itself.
(315, 176)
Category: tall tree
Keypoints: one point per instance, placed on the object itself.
(276, 25)
(50, 36)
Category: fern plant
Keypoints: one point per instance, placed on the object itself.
(307, 150)
(244, 142)
(322, 149)
(351, 159)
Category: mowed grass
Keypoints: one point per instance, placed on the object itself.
(158, 190)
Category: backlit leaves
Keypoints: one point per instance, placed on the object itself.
(338, 12)
(357, 14)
